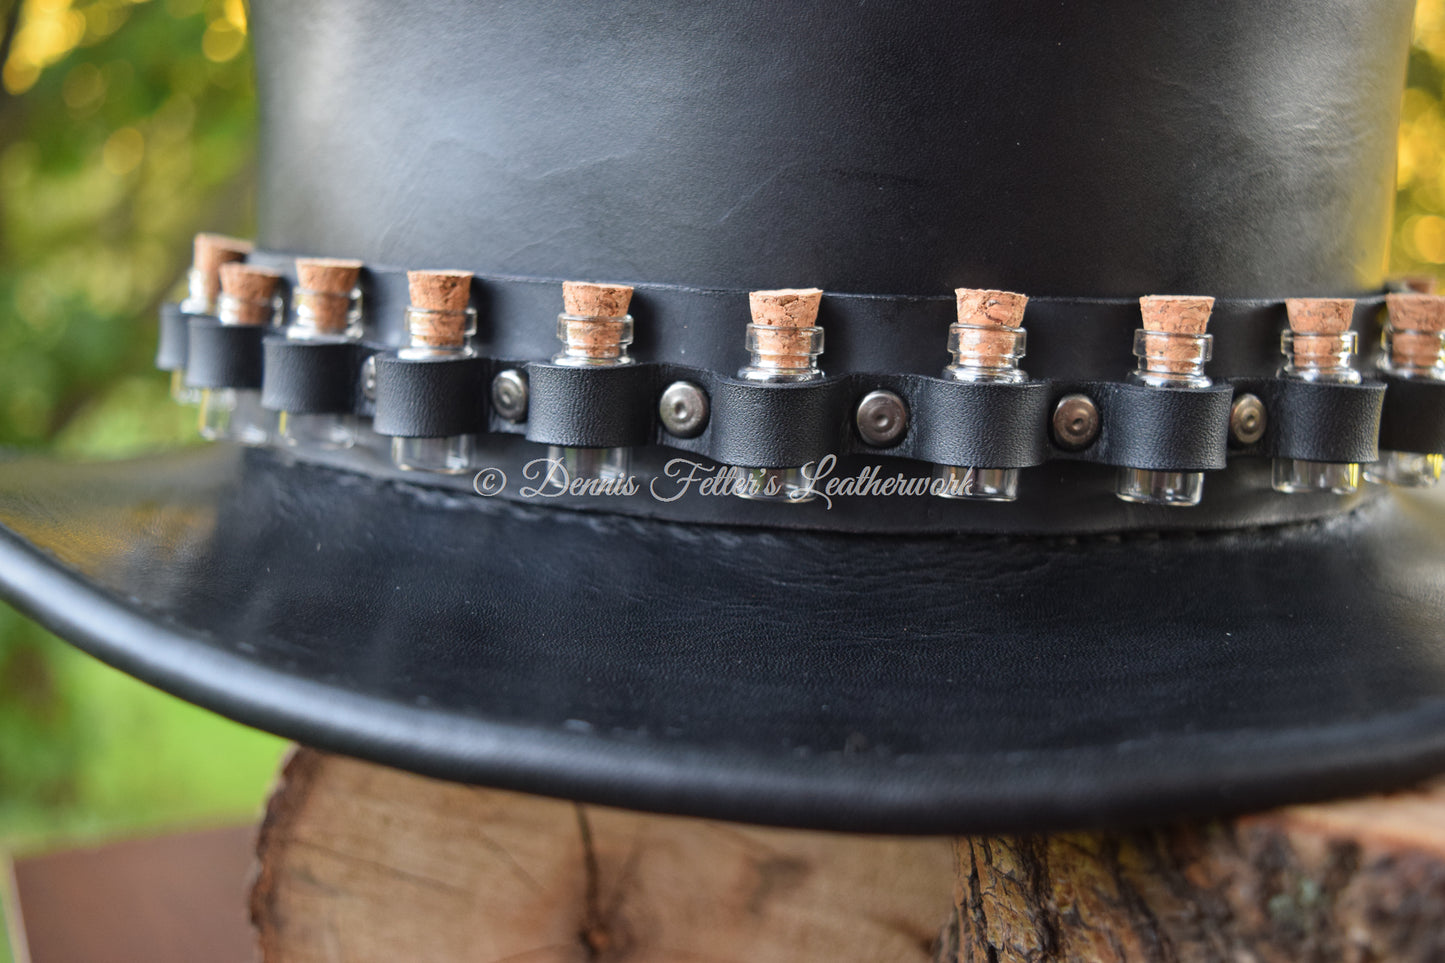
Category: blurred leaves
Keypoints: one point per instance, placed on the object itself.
(125, 127)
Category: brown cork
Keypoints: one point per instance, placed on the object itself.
(253, 288)
(1319, 325)
(584, 299)
(446, 294)
(209, 252)
(999, 313)
(1415, 322)
(1173, 314)
(325, 284)
(783, 313)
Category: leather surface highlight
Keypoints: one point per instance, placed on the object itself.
(945, 683)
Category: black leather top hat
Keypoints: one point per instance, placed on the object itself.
(879, 656)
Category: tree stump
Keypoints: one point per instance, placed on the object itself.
(359, 862)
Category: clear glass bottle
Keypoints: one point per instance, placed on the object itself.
(451, 455)
(1167, 360)
(797, 361)
(983, 353)
(593, 342)
(1317, 357)
(312, 312)
(1410, 353)
(235, 414)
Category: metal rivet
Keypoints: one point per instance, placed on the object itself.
(368, 377)
(1247, 419)
(683, 409)
(1076, 422)
(882, 418)
(509, 394)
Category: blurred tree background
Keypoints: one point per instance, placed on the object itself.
(125, 127)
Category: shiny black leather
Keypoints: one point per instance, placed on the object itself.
(925, 684)
(1237, 148)
(1324, 421)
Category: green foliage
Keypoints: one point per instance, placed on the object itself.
(125, 127)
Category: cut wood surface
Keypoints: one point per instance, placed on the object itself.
(358, 862)
(1345, 882)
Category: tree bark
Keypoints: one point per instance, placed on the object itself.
(358, 862)
(1354, 881)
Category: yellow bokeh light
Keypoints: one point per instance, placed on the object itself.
(123, 151)
(1427, 235)
(222, 41)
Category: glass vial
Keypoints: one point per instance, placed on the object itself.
(785, 342)
(203, 289)
(248, 297)
(1172, 350)
(1318, 346)
(439, 327)
(595, 330)
(326, 309)
(1414, 347)
(986, 344)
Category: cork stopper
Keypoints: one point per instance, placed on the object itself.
(324, 285)
(784, 315)
(1415, 322)
(253, 289)
(1319, 325)
(1173, 314)
(593, 325)
(1000, 313)
(1421, 283)
(209, 252)
(446, 294)
(587, 300)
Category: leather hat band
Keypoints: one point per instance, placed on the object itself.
(1078, 349)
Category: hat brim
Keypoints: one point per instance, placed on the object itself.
(947, 684)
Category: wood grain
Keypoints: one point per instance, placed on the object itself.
(358, 862)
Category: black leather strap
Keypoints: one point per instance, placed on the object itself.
(1316, 421)
(1164, 429)
(431, 397)
(223, 355)
(1414, 415)
(310, 377)
(174, 338)
(592, 407)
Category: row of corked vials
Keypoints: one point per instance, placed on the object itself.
(986, 344)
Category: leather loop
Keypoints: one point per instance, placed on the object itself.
(223, 355)
(1160, 429)
(976, 424)
(171, 349)
(591, 407)
(1413, 418)
(1316, 421)
(430, 397)
(311, 377)
(776, 425)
